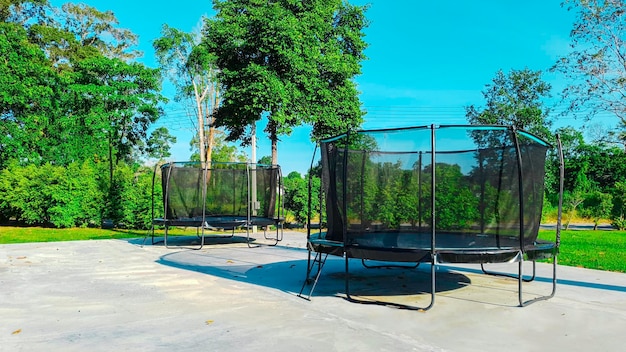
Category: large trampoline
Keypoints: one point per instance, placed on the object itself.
(434, 194)
(221, 195)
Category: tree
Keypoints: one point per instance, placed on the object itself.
(293, 62)
(596, 66)
(28, 101)
(597, 206)
(191, 69)
(227, 152)
(55, 107)
(158, 145)
(618, 214)
(222, 150)
(296, 196)
(116, 103)
(23, 12)
(98, 29)
(515, 100)
(70, 104)
(267, 160)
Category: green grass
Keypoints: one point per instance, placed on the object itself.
(12, 234)
(26, 234)
(602, 250)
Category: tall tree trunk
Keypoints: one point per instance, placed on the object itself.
(211, 121)
(201, 142)
(200, 115)
(274, 138)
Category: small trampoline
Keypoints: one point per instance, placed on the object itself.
(223, 196)
(434, 194)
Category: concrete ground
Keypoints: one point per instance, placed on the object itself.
(114, 295)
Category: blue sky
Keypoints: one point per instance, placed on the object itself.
(427, 60)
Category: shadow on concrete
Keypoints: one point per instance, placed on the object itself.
(189, 241)
(289, 276)
(284, 268)
(584, 284)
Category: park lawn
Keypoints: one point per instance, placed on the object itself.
(602, 250)
(18, 234)
(26, 234)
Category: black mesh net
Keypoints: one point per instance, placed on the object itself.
(231, 190)
(488, 186)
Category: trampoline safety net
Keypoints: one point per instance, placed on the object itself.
(239, 190)
(477, 184)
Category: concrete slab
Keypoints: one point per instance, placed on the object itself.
(119, 295)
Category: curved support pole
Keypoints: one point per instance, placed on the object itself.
(523, 303)
(493, 273)
(433, 271)
(389, 266)
(152, 208)
(278, 238)
(279, 232)
(166, 200)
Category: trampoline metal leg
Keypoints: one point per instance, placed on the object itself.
(278, 237)
(279, 233)
(520, 280)
(433, 272)
(523, 303)
(532, 278)
(175, 247)
(319, 260)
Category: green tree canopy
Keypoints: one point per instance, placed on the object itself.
(514, 99)
(28, 98)
(293, 62)
(192, 70)
(69, 92)
(595, 68)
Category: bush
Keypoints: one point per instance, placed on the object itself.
(131, 197)
(77, 195)
(48, 194)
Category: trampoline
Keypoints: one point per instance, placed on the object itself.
(223, 196)
(470, 194)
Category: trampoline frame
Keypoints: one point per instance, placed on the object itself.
(322, 247)
(224, 221)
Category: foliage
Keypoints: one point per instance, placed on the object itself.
(618, 213)
(158, 144)
(70, 95)
(48, 194)
(130, 199)
(77, 195)
(28, 103)
(118, 100)
(192, 71)
(222, 151)
(267, 160)
(296, 196)
(515, 100)
(597, 206)
(98, 29)
(591, 171)
(596, 66)
(293, 62)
